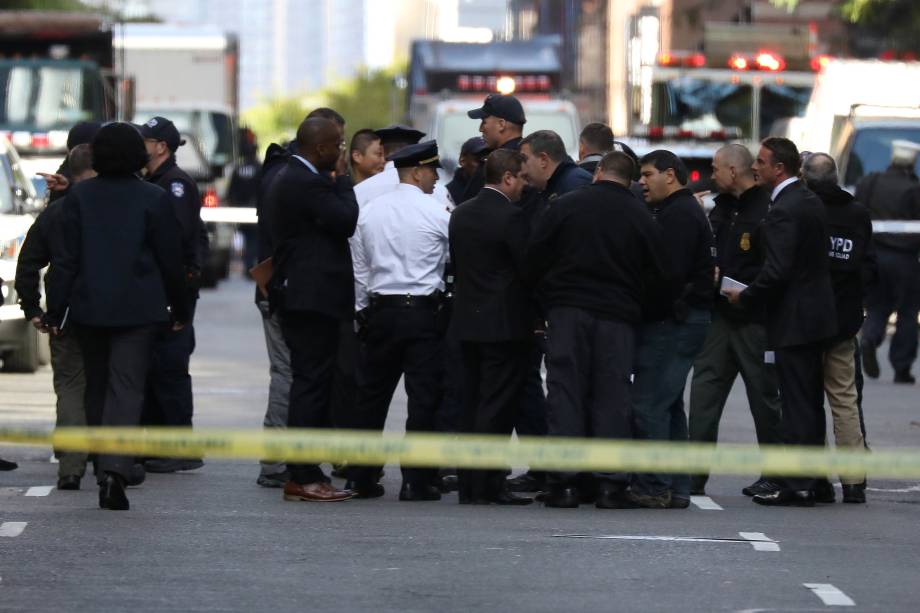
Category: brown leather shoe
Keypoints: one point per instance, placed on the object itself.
(315, 492)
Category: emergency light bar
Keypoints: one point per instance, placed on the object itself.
(504, 84)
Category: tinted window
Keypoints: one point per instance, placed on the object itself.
(871, 151)
(702, 106)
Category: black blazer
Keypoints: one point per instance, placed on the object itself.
(121, 264)
(795, 283)
(488, 237)
(312, 216)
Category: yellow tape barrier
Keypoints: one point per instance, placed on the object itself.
(467, 451)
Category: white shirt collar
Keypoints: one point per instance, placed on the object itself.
(497, 190)
(410, 187)
(781, 187)
(307, 163)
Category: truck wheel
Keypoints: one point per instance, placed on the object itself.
(24, 359)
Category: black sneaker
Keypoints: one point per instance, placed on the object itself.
(904, 376)
(760, 487)
(275, 480)
(855, 493)
(824, 492)
(870, 361)
(527, 482)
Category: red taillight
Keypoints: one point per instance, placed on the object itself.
(820, 62)
(655, 133)
(210, 199)
(697, 60)
(694, 176)
(40, 141)
(738, 62)
(463, 82)
(682, 58)
(770, 61)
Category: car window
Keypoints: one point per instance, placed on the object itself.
(871, 150)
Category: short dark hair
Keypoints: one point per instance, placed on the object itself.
(118, 149)
(501, 161)
(548, 142)
(326, 113)
(598, 137)
(619, 164)
(80, 159)
(362, 139)
(784, 152)
(662, 160)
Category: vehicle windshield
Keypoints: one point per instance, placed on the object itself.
(213, 130)
(40, 97)
(703, 106)
(456, 128)
(6, 186)
(871, 151)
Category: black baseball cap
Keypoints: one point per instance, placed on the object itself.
(504, 107)
(162, 129)
(421, 154)
(399, 133)
(474, 146)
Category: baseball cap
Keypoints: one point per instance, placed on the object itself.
(505, 107)
(162, 129)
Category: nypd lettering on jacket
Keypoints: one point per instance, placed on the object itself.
(841, 248)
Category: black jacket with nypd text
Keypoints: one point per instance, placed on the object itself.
(186, 202)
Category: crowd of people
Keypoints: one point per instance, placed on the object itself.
(608, 272)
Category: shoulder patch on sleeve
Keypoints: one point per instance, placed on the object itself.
(177, 189)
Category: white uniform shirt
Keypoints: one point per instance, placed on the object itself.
(400, 245)
(382, 182)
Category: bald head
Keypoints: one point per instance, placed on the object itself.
(318, 140)
(731, 169)
(820, 169)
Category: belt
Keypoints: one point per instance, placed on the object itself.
(406, 301)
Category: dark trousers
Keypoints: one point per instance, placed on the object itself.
(897, 291)
(801, 386)
(732, 348)
(531, 419)
(588, 364)
(169, 400)
(450, 415)
(400, 341)
(493, 376)
(116, 361)
(665, 356)
(313, 340)
(345, 384)
(70, 388)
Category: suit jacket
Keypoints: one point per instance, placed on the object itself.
(487, 246)
(795, 283)
(121, 262)
(312, 217)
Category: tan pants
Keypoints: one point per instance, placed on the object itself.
(840, 387)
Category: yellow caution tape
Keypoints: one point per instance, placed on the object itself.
(473, 451)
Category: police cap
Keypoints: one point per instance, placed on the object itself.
(905, 151)
(398, 133)
(421, 154)
(162, 129)
(504, 107)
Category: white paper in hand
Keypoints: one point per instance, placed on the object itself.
(729, 283)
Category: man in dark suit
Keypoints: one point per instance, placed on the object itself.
(491, 314)
(795, 286)
(312, 285)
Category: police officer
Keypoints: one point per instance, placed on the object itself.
(898, 288)
(399, 251)
(501, 124)
(169, 385)
(471, 156)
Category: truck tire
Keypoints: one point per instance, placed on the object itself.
(26, 358)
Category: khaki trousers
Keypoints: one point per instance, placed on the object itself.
(840, 388)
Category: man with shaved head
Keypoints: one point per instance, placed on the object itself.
(737, 340)
(312, 285)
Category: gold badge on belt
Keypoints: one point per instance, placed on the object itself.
(745, 241)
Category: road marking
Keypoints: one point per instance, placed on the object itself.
(760, 541)
(706, 503)
(39, 490)
(898, 490)
(830, 595)
(53, 459)
(12, 528)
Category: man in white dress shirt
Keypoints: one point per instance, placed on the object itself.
(399, 251)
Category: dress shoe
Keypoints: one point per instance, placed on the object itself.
(648, 501)
(611, 497)
(761, 486)
(69, 482)
(171, 465)
(678, 502)
(698, 486)
(274, 480)
(365, 490)
(319, 491)
(904, 376)
(824, 492)
(562, 498)
(136, 475)
(414, 492)
(112, 493)
(511, 499)
(869, 360)
(449, 483)
(855, 493)
(528, 482)
(7, 465)
(786, 498)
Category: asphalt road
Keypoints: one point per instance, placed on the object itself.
(212, 540)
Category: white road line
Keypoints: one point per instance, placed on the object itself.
(706, 503)
(760, 541)
(39, 490)
(899, 490)
(53, 459)
(12, 528)
(830, 595)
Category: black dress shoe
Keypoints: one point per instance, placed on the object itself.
(869, 361)
(410, 492)
(136, 475)
(904, 376)
(449, 483)
(69, 482)
(679, 502)
(365, 490)
(761, 486)
(510, 499)
(786, 498)
(528, 482)
(7, 465)
(855, 493)
(611, 497)
(824, 492)
(112, 493)
(562, 498)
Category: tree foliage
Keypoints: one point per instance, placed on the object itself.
(44, 5)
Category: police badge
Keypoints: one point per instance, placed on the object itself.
(177, 189)
(745, 242)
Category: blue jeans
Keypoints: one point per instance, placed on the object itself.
(665, 355)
